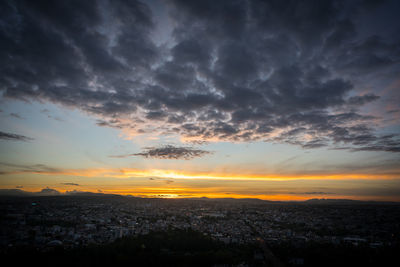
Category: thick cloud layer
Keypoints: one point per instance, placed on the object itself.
(280, 71)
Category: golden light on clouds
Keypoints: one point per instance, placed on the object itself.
(168, 183)
(124, 173)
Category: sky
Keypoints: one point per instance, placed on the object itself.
(276, 100)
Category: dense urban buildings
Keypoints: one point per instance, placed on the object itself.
(75, 222)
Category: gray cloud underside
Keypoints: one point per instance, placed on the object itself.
(13, 137)
(277, 71)
(168, 152)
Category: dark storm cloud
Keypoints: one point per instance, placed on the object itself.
(13, 137)
(277, 71)
(169, 152)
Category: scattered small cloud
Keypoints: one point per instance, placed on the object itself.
(14, 137)
(47, 112)
(26, 168)
(393, 111)
(74, 184)
(197, 142)
(168, 152)
(167, 181)
(362, 100)
(16, 115)
(55, 118)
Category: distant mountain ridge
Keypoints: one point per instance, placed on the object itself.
(315, 201)
(48, 192)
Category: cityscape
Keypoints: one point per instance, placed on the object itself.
(49, 223)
